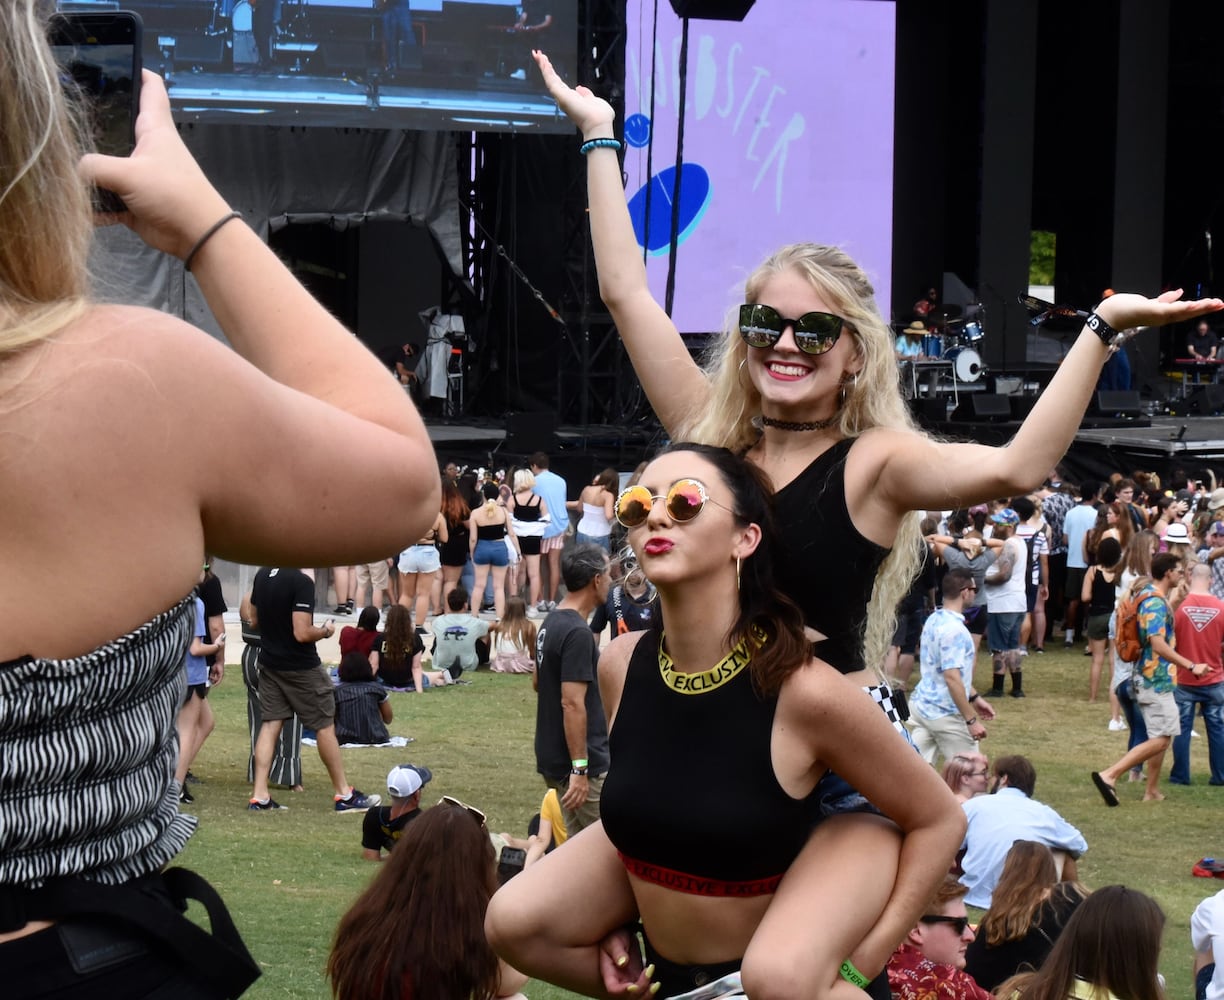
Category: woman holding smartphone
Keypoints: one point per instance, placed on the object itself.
(115, 426)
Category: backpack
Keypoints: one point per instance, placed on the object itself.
(1129, 638)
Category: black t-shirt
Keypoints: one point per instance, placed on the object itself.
(566, 651)
(276, 594)
(1204, 344)
(379, 831)
(991, 965)
(214, 604)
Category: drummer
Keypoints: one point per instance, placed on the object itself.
(909, 346)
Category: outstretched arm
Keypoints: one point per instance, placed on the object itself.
(671, 379)
(916, 472)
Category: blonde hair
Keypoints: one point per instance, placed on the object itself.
(45, 218)
(872, 398)
(524, 479)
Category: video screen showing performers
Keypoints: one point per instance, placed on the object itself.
(788, 138)
(416, 64)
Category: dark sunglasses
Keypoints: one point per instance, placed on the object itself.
(472, 811)
(762, 326)
(958, 924)
(683, 502)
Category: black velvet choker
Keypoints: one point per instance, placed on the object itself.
(799, 425)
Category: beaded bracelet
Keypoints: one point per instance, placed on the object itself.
(208, 235)
(590, 144)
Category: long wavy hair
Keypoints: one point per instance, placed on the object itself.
(45, 218)
(1111, 941)
(418, 930)
(761, 605)
(398, 644)
(1137, 558)
(1028, 875)
(872, 399)
(454, 508)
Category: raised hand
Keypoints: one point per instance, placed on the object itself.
(1124, 310)
(593, 115)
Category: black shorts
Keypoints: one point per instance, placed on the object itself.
(195, 691)
(529, 545)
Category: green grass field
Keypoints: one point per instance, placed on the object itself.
(288, 876)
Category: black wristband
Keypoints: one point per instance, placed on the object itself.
(1107, 334)
(580, 772)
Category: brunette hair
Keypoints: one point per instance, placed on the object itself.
(398, 636)
(1018, 771)
(418, 930)
(1028, 874)
(1109, 554)
(872, 398)
(355, 666)
(762, 606)
(454, 508)
(1163, 562)
(1124, 525)
(516, 626)
(1111, 941)
(609, 479)
(44, 203)
(368, 619)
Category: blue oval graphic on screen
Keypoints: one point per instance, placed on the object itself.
(695, 193)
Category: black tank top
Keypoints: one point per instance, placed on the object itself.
(725, 816)
(1104, 594)
(527, 511)
(825, 565)
(490, 532)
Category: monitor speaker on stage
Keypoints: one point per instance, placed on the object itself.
(983, 406)
(1207, 401)
(713, 10)
(1118, 403)
(929, 411)
(192, 51)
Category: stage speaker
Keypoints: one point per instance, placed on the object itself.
(1022, 406)
(197, 50)
(1118, 403)
(983, 406)
(713, 10)
(1207, 401)
(531, 432)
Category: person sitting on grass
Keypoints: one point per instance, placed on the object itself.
(513, 640)
(460, 641)
(383, 826)
(418, 930)
(363, 707)
(930, 962)
(545, 831)
(1109, 949)
(363, 638)
(399, 660)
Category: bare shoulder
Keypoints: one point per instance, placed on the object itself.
(613, 668)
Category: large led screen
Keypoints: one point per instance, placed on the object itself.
(788, 137)
(421, 64)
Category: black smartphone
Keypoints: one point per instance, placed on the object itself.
(99, 57)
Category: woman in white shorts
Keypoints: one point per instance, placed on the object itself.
(419, 566)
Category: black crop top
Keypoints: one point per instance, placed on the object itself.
(725, 817)
(529, 511)
(490, 532)
(818, 542)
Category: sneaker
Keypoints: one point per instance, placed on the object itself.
(552, 605)
(268, 805)
(542, 607)
(1039, 649)
(535, 613)
(992, 694)
(1116, 725)
(352, 607)
(185, 796)
(357, 802)
(191, 779)
(341, 609)
(1017, 694)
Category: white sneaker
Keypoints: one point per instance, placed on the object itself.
(1116, 725)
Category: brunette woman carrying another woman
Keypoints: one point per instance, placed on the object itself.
(595, 505)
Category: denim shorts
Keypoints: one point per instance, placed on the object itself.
(491, 553)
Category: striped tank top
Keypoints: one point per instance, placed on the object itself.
(87, 754)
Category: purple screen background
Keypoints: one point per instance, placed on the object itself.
(790, 113)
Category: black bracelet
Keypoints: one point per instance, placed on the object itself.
(208, 235)
(1107, 334)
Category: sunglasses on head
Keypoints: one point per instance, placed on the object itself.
(958, 924)
(762, 326)
(472, 811)
(683, 502)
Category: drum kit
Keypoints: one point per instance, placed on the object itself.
(951, 341)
